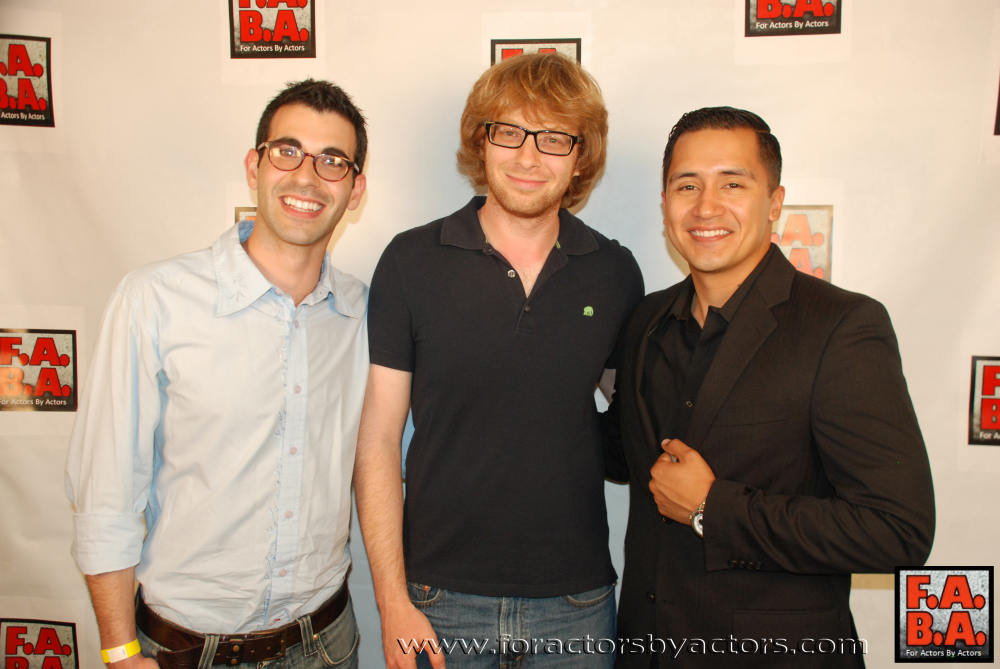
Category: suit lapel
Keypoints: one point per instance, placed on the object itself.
(751, 326)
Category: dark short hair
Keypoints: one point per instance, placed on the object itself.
(321, 96)
(729, 118)
(539, 84)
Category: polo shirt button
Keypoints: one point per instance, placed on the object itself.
(511, 273)
(288, 514)
(651, 597)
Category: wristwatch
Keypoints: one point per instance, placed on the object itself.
(696, 519)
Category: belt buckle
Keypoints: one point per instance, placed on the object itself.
(237, 645)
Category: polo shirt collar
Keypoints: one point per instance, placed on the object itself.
(462, 229)
(241, 283)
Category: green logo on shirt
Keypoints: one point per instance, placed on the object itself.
(588, 311)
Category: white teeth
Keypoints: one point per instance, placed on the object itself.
(709, 233)
(300, 205)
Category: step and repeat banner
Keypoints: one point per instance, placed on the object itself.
(123, 127)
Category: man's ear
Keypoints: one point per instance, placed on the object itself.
(250, 163)
(357, 191)
(777, 199)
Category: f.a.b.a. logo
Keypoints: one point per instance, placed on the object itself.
(793, 17)
(38, 644)
(25, 81)
(272, 28)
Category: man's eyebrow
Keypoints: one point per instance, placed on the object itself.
(330, 150)
(681, 175)
(739, 172)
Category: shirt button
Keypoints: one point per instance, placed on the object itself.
(277, 291)
(527, 309)
(293, 450)
(298, 389)
(283, 572)
(296, 322)
(511, 273)
(288, 514)
(688, 403)
(651, 597)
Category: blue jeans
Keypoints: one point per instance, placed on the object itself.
(335, 646)
(512, 632)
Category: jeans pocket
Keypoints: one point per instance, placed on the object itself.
(590, 598)
(422, 595)
(337, 645)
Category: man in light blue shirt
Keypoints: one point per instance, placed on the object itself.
(212, 456)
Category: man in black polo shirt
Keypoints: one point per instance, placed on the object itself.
(497, 323)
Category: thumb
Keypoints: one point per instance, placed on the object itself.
(675, 447)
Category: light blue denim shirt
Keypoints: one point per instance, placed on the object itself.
(226, 418)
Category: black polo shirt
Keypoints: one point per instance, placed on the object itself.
(505, 473)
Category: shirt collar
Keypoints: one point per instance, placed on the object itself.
(462, 229)
(241, 283)
(681, 308)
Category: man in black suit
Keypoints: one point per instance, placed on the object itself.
(763, 421)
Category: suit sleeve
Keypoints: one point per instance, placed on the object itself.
(615, 465)
(881, 511)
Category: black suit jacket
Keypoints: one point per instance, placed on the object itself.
(821, 471)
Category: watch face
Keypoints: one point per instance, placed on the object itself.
(696, 524)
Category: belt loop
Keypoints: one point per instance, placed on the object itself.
(208, 652)
(308, 637)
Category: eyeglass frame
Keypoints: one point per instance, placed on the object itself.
(268, 145)
(534, 133)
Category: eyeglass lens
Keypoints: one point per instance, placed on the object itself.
(287, 158)
(552, 142)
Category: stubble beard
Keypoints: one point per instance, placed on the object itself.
(523, 205)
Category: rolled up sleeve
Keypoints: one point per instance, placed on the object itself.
(111, 454)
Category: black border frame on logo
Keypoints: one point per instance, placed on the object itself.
(50, 111)
(896, 644)
(234, 55)
(76, 378)
(72, 625)
(578, 42)
(974, 440)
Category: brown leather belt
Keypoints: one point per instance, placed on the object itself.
(186, 645)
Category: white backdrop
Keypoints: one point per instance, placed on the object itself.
(888, 122)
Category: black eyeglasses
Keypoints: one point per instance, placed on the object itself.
(552, 142)
(328, 167)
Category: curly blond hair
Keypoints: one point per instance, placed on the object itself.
(539, 84)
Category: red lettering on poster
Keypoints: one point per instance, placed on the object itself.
(26, 96)
(991, 377)
(914, 593)
(8, 346)
(47, 641)
(956, 590)
(990, 414)
(768, 9)
(18, 60)
(45, 351)
(510, 53)
(287, 3)
(48, 382)
(285, 26)
(918, 628)
(250, 26)
(797, 230)
(546, 51)
(960, 627)
(10, 384)
(17, 663)
(52, 663)
(14, 640)
(814, 6)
